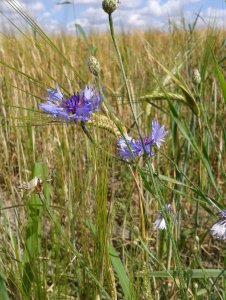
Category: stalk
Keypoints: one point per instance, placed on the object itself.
(157, 192)
(124, 74)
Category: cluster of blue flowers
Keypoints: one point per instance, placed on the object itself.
(77, 107)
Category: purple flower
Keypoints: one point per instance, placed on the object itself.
(160, 222)
(76, 107)
(157, 134)
(134, 148)
(139, 147)
(219, 229)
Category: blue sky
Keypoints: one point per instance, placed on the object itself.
(140, 14)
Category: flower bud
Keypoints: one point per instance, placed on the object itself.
(94, 65)
(197, 239)
(196, 76)
(109, 6)
(195, 249)
(196, 285)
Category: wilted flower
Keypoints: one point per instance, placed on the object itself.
(219, 229)
(160, 222)
(76, 107)
(35, 185)
(109, 6)
(138, 147)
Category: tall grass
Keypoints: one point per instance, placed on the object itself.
(89, 234)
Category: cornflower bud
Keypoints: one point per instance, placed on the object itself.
(197, 239)
(109, 6)
(196, 285)
(94, 66)
(196, 76)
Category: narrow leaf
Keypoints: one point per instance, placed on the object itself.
(3, 291)
(221, 80)
(120, 271)
(91, 49)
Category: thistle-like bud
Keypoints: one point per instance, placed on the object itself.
(196, 76)
(109, 6)
(94, 66)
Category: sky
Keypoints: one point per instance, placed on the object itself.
(138, 14)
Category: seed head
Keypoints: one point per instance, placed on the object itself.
(109, 6)
(94, 66)
(196, 285)
(101, 121)
(197, 239)
(196, 76)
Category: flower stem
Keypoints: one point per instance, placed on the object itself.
(141, 206)
(124, 74)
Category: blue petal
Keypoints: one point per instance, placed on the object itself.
(55, 94)
(158, 133)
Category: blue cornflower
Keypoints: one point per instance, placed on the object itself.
(124, 150)
(138, 147)
(76, 107)
(219, 229)
(157, 134)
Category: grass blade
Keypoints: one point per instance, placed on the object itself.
(3, 291)
(121, 273)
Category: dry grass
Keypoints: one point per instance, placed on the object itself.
(78, 169)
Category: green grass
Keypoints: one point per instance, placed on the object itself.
(90, 234)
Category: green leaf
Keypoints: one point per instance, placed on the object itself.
(169, 179)
(33, 229)
(91, 49)
(3, 290)
(121, 273)
(189, 137)
(190, 99)
(221, 80)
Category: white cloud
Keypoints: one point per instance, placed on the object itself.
(36, 6)
(214, 16)
(98, 2)
(135, 20)
(94, 16)
(142, 14)
(215, 13)
(46, 14)
(130, 4)
(130, 14)
(159, 9)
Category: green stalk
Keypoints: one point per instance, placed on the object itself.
(157, 193)
(124, 74)
(33, 234)
(159, 197)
